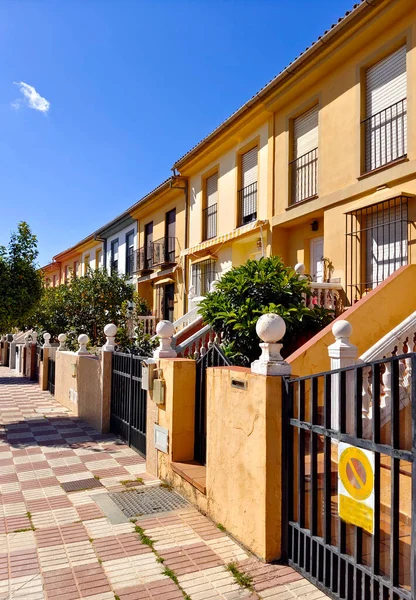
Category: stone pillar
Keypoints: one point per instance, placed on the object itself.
(342, 354)
(33, 360)
(12, 361)
(244, 457)
(44, 364)
(106, 358)
(245, 442)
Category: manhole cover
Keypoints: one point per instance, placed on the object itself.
(81, 484)
(147, 501)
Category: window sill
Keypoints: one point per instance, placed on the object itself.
(383, 168)
(193, 472)
(248, 223)
(305, 201)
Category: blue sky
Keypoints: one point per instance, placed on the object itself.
(132, 85)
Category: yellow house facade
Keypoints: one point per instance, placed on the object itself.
(349, 196)
(160, 217)
(88, 253)
(229, 200)
(318, 165)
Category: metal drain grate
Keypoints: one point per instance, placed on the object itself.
(81, 484)
(147, 501)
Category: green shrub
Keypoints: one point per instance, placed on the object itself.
(246, 292)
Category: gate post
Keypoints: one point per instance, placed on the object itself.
(44, 363)
(12, 355)
(342, 354)
(245, 470)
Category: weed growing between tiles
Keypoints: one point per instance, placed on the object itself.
(243, 580)
(145, 539)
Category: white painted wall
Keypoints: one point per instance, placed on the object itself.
(121, 235)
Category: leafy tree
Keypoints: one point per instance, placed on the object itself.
(86, 305)
(246, 292)
(20, 280)
(140, 343)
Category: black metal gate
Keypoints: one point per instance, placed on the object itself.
(212, 358)
(128, 401)
(372, 407)
(51, 370)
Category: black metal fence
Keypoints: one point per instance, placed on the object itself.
(209, 217)
(128, 400)
(303, 173)
(51, 370)
(385, 136)
(371, 407)
(212, 358)
(247, 204)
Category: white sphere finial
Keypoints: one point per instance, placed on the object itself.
(165, 330)
(83, 340)
(47, 338)
(271, 328)
(110, 332)
(61, 340)
(300, 268)
(342, 330)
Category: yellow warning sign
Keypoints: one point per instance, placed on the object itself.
(356, 486)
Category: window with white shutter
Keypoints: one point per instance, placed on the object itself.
(386, 244)
(385, 125)
(210, 211)
(247, 195)
(304, 166)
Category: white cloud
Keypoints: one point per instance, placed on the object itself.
(31, 98)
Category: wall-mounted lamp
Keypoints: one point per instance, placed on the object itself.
(259, 243)
(314, 225)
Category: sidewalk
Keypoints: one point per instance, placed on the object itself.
(58, 544)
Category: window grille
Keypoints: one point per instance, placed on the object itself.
(203, 274)
(377, 244)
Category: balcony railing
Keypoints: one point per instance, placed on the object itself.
(144, 259)
(304, 176)
(385, 136)
(163, 251)
(209, 216)
(247, 204)
(159, 252)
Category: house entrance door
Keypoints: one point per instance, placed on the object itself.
(168, 302)
(316, 253)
